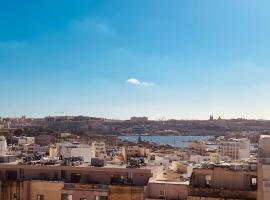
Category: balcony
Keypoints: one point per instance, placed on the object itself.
(73, 186)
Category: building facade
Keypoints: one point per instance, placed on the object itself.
(235, 148)
(264, 168)
(25, 182)
(99, 149)
(223, 182)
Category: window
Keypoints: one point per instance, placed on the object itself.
(42, 175)
(101, 198)
(161, 194)
(16, 196)
(117, 179)
(267, 184)
(40, 197)
(130, 178)
(208, 179)
(253, 181)
(66, 197)
(63, 174)
(11, 175)
(75, 177)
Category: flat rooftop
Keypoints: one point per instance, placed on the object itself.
(75, 168)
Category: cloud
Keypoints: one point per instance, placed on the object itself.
(91, 24)
(134, 81)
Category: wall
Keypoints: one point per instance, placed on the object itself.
(234, 180)
(85, 152)
(100, 175)
(171, 191)
(221, 193)
(126, 193)
(264, 168)
(263, 177)
(50, 190)
(89, 192)
(9, 188)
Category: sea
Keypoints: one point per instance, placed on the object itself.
(175, 141)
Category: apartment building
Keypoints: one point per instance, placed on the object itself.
(67, 150)
(99, 149)
(23, 140)
(169, 190)
(235, 148)
(134, 151)
(264, 168)
(217, 182)
(36, 182)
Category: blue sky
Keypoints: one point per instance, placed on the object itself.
(119, 58)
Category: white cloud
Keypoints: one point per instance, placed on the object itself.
(148, 84)
(134, 81)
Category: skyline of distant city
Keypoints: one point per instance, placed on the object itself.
(217, 117)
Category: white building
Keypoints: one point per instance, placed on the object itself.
(3, 146)
(235, 148)
(164, 162)
(4, 158)
(197, 159)
(26, 140)
(67, 150)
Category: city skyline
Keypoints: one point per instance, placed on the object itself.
(117, 59)
(163, 118)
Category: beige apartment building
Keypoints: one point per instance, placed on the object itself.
(99, 149)
(223, 182)
(264, 168)
(169, 190)
(134, 151)
(54, 190)
(235, 148)
(33, 182)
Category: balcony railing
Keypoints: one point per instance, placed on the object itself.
(85, 186)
